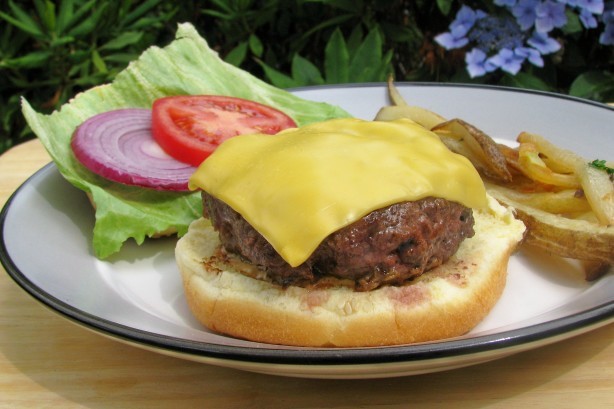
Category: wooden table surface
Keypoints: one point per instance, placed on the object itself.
(47, 361)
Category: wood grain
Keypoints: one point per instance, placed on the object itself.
(47, 361)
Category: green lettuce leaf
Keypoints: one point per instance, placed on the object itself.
(186, 66)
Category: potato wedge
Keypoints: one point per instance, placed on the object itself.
(572, 238)
(486, 151)
(594, 269)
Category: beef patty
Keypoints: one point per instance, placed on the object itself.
(387, 246)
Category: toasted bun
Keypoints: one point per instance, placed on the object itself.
(445, 302)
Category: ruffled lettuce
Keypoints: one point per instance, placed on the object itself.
(186, 66)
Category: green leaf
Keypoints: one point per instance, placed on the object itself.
(525, 80)
(140, 11)
(347, 5)
(573, 24)
(79, 15)
(593, 85)
(64, 15)
(355, 39)
(46, 13)
(397, 33)
(444, 6)
(224, 5)
(305, 72)
(29, 26)
(123, 40)
(89, 24)
(59, 41)
(218, 14)
(120, 58)
(35, 59)
(336, 59)
(255, 45)
(276, 77)
(237, 55)
(367, 58)
(384, 69)
(146, 23)
(77, 57)
(601, 164)
(24, 17)
(98, 62)
(334, 21)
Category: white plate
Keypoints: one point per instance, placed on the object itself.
(136, 296)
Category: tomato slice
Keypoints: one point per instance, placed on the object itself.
(190, 127)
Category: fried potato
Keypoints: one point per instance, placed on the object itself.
(558, 159)
(566, 202)
(569, 202)
(486, 153)
(532, 165)
(572, 238)
(599, 190)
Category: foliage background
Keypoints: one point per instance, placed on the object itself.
(51, 50)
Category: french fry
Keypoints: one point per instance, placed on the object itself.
(534, 167)
(401, 109)
(563, 202)
(599, 190)
(558, 159)
(421, 116)
(393, 92)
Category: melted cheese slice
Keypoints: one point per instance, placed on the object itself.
(301, 185)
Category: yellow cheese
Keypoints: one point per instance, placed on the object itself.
(299, 186)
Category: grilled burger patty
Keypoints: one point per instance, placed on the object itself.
(387, 246)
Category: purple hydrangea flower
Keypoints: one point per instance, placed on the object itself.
(505, 3)
(544, 44)
(520, 32)
(591, 6)
(464, 20)
(607, 36)
(588, 19)
(507, 60)
(449, 42)
(549, 15)
(477, 64)
(493, 33)
(524, 12)
(530, 54)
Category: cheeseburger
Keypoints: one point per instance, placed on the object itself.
(344, 233)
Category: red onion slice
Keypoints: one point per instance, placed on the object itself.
(118, 146)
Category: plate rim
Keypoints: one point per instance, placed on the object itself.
(596, 316)
(488, 87)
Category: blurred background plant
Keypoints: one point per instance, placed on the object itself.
(51, 50)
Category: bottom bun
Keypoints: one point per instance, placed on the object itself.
(445, 302)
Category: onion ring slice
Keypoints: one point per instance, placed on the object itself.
(118, 146)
